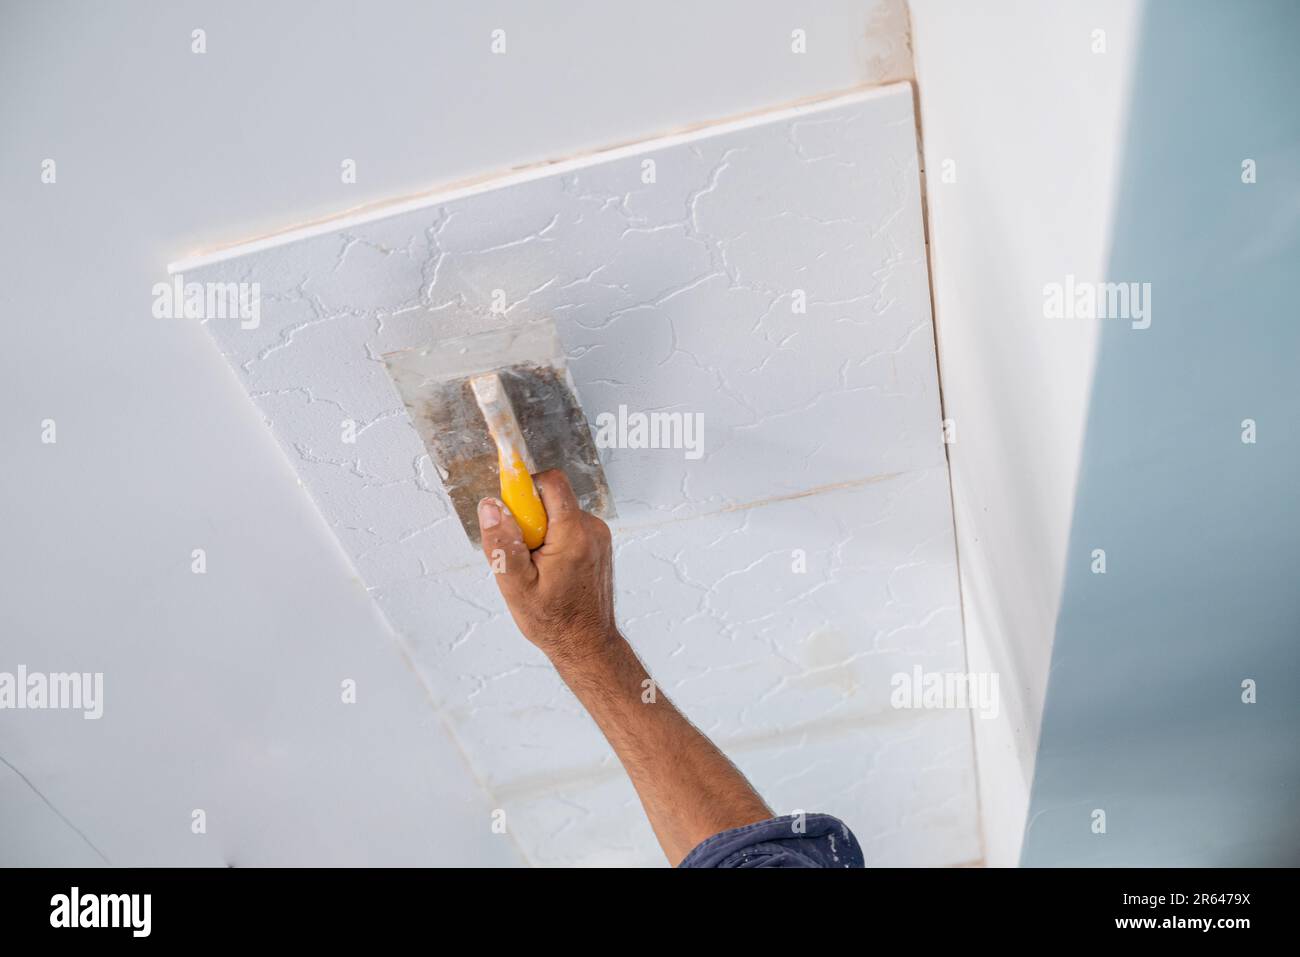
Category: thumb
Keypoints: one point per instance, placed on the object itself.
(503, 544)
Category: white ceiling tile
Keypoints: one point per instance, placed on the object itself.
(820, 435)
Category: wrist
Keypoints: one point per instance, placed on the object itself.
(594, 656)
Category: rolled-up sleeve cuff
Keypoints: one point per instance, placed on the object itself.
(795, 840)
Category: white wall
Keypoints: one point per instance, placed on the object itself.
(1012, 94)
(222, 689)
(1170, 708)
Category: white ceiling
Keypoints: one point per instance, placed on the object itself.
(821, 439)
(222, 690)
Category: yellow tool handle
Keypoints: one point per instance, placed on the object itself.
(520, 495)
(517, 488)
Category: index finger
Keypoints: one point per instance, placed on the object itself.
(562, 508)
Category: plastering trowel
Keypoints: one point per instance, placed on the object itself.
(493, 408)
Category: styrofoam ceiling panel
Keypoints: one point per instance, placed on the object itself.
(768, 274)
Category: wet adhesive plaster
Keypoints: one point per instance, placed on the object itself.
(770, 276)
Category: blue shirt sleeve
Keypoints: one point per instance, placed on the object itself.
(810, 840)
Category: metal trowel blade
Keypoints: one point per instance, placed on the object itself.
(434, 382)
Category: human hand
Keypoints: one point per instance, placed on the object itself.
(561, 595)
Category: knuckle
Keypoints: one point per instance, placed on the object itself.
(597, 529)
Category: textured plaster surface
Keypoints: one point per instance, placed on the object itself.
(773, 584)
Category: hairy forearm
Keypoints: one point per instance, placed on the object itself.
(689, 790)
(562, 598)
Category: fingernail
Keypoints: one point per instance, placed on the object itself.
(489, 513)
